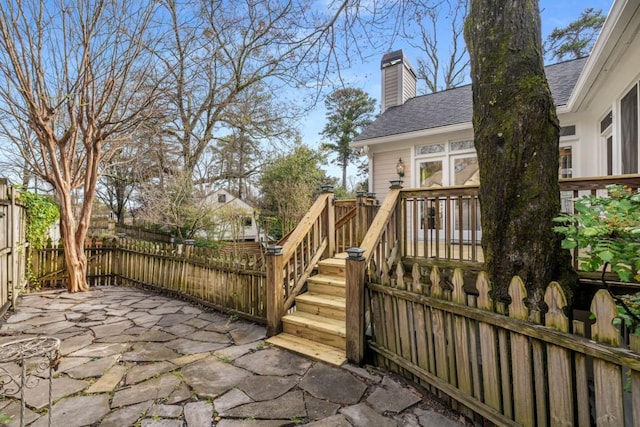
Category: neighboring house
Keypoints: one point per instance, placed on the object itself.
(596, 99)
(234, 219)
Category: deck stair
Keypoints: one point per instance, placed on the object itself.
(317, 326)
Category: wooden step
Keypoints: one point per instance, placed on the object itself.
(332, 266)
(332, 306)
(316, 328)
(329, 285)
(312, 349)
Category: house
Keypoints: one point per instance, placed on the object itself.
(234, 219)
(432, 135)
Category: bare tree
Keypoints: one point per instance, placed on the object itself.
(74, 78)
(439, 70)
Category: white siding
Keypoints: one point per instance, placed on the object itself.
(384, 165)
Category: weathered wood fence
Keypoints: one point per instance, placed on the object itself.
(13, 246)
(511, 365)
(231, 281)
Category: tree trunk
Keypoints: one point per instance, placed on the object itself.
(74, 256)
(516, 135)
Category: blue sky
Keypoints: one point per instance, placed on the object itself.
(366, 75)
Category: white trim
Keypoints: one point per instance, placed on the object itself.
(617, 20)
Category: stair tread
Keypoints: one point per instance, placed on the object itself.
(313, 349)
(323, 299)
(338, 262)
(327, 279)
(319, 323)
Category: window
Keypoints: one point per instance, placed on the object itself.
(247, 221)
(629, 131)
(222, 198)
(606, 122)
(607, 139)
(568, 130)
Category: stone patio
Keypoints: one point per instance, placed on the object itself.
(134, 358)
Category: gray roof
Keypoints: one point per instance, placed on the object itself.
(454, 106)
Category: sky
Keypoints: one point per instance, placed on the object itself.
(366, 75)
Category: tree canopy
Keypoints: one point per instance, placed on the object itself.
(349, 110)
(289, 184)
(576, 39)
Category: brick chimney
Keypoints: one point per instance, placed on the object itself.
(398, 79)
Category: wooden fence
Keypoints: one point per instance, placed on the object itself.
(508, 364)
(13, 246)
(234, 282)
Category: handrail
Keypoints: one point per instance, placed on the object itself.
(598, 182)
(289, 267)
(380, 222)
(346, 217)
(305, 224)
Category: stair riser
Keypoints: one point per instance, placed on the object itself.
(334, 313)
(314, 335)
(332, 270)
(322, 288)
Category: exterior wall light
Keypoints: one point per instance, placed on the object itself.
(400, 168)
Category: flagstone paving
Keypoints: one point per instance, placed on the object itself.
(134, 358)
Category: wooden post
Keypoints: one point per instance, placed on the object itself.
(15, 273)
(275, 290)
(361, 219)
(355, 305)
(331, 221)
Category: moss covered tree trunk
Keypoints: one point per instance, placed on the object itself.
(516, 136)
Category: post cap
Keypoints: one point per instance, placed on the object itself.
(274, 250)
(396, 184)
(326, 188)
(355, 253)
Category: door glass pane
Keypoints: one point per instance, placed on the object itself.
(431, 173)
(465, 171)
(566, 170)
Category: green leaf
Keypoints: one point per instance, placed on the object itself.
(590, 232)
(606, 256)
(569, 244)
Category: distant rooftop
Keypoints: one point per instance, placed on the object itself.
(454, 106)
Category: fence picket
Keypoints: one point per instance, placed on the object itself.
(582, 380)
(607, 376)
(463, 367)
(634, 344)
(521, 357)
(488, 351)
(558, 360)
(438, 327)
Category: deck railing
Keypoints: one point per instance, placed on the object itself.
(443, 225)
(289, 265)
(353, 218)
(464, 346)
